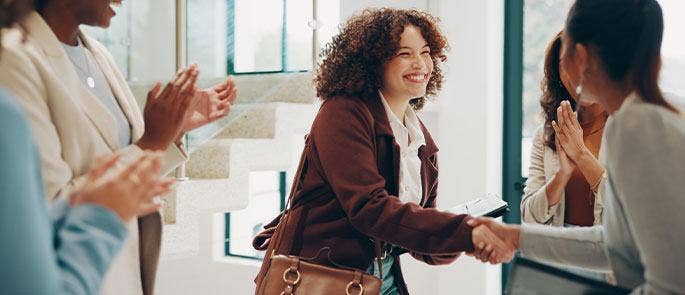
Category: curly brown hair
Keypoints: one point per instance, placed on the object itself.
(553, 90)
(13, 11)
(352, 63)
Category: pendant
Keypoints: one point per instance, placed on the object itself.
(91, 82)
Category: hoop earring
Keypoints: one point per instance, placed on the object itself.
(579, 89)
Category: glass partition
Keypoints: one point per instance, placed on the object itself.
(142, 40)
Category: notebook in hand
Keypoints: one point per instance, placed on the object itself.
(490, 205)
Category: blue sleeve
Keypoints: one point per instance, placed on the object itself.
(37, 257)
(86, 240)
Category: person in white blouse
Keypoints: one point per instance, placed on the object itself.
(80, 107)
(611, 51)
(564, 175)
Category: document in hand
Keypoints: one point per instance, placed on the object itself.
(490, 205)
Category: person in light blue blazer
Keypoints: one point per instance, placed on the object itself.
(66, 248)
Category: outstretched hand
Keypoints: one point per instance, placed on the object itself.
(494, 242)
(211, 104)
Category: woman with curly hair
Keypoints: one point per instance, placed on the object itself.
(369, 169)
(565, 173)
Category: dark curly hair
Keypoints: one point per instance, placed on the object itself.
(352, 63)
(13, 11)
(553, 90)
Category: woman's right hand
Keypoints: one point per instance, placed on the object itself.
(129, 192)
(165, 111)
(566, 165)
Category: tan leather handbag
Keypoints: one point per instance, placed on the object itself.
(290, 275)
(287, 274)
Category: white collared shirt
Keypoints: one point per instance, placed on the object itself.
(409, 137)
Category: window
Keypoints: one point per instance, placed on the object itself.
(543, 20)
(222, 36)
(673, 52)
(142, 40)
(277, 39)
(267, 199)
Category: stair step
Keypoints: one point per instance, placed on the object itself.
(259, 121)
(270, 120)
(224, 158)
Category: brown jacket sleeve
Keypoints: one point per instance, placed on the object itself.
(434, 259)
(344, 140)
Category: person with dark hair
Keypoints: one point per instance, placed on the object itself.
(369, 167)
(611, 51)
(81, 107)
(562, 188)
(68, 246)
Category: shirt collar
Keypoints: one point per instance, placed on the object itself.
(400, 130)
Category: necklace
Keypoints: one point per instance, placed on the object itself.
(89, 77)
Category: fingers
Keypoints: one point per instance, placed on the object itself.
(188, 85)
(491, 241)
(152, 95)
(477, 221)
(478, 250)
(148, 208)
(488, 251)
(102, 165)
(567, 112)
(233, 95)
(560, 132)
(223, 86)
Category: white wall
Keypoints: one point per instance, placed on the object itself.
(470, 125)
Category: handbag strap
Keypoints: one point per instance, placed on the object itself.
(277, 237)
(278, 234)
(379, 257)
(288, 279)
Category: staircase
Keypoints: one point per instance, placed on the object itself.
(262, 133)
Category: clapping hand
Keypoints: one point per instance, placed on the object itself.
(166, 110)
(129, 192)
(569, 133)
(211, 104)
(494, 242)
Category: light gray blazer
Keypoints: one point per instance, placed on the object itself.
(643, 232)
(544, 163)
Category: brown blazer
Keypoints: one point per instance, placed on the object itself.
(345, 194)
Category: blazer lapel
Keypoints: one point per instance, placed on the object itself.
(63, 67)
(119, 88)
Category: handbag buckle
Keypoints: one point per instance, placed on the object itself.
(291, 271)
(353, 284)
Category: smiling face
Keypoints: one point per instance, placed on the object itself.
(97, 13)
(406, 75)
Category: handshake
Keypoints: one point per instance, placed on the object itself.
(493, 242)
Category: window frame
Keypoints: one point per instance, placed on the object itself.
(230, 43)
(512, 180)
(282, 183)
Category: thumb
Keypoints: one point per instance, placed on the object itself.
(478, 221)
